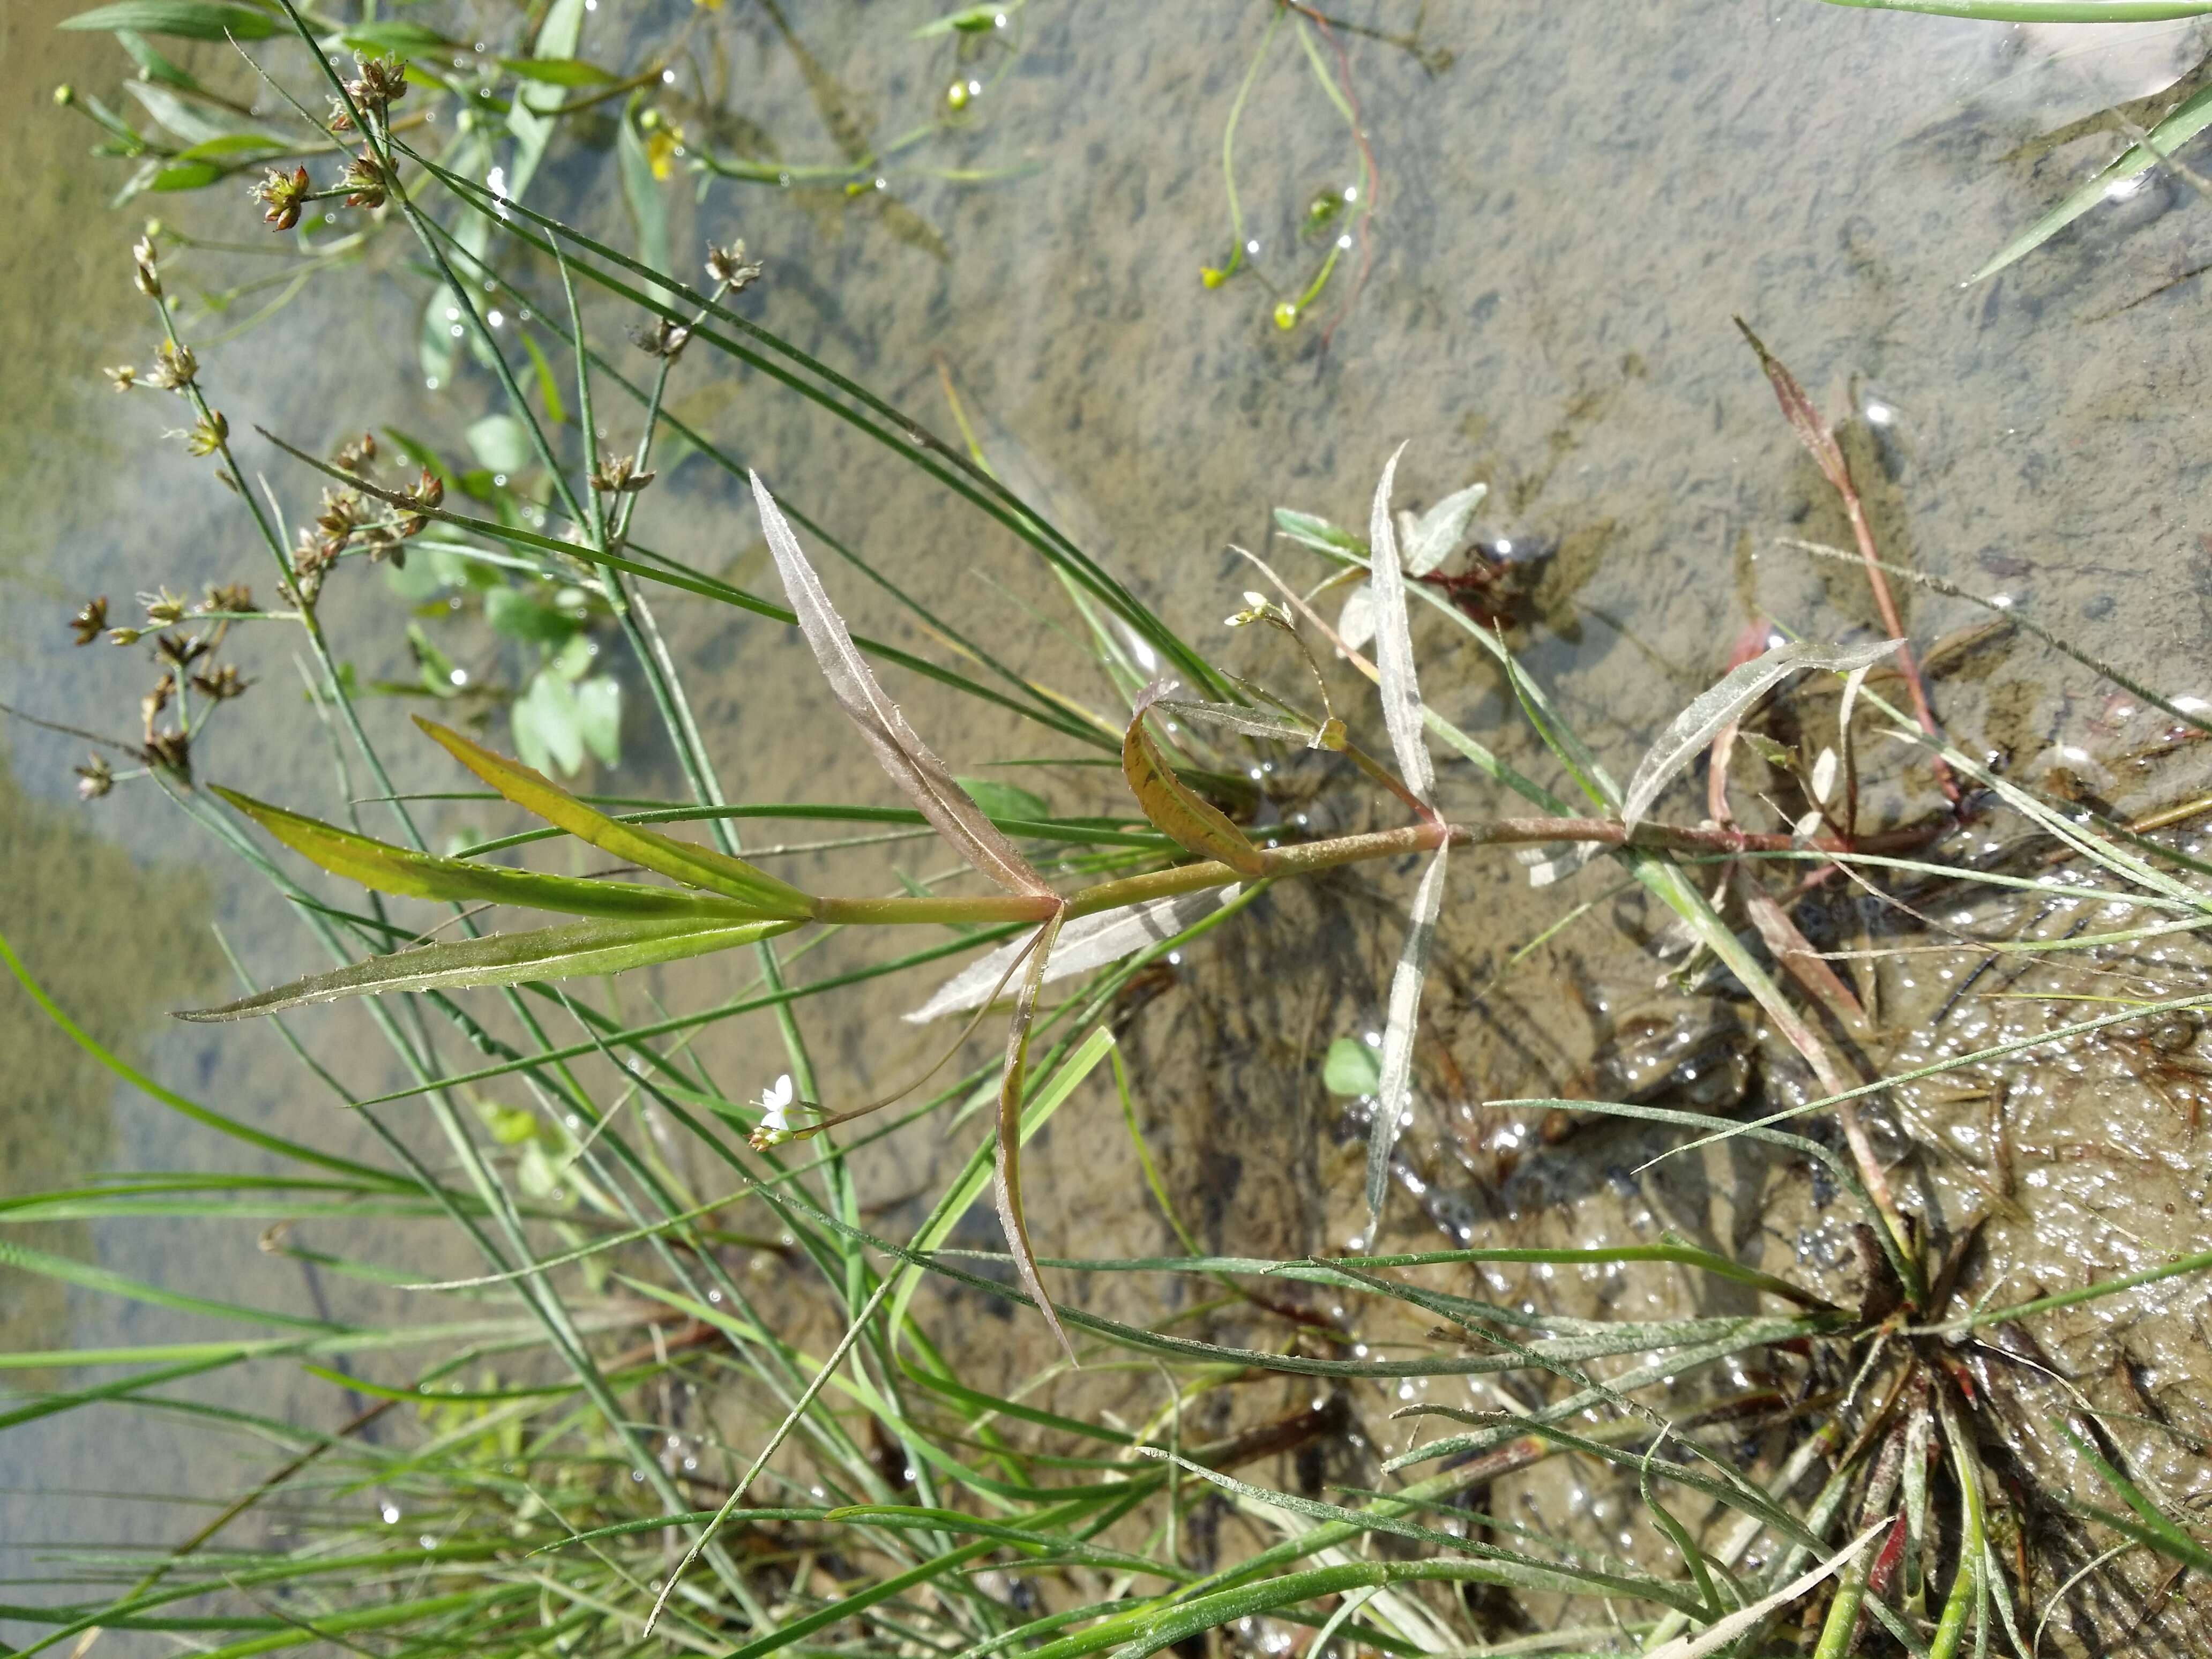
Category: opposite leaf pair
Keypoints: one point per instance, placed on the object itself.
(724, 902)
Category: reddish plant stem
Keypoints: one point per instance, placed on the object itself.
(1814, 433)
(1307, 857)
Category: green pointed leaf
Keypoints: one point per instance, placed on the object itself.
(410, 874)
(152, 64)
(969, 20)
(558, 71)
(186, 20)
(1176, 810)
(1317, 534)
(568, 951)
(188, 175)
(642, 191)
(2190, 117)
(231, 144)
(397, 37)
(699, 867)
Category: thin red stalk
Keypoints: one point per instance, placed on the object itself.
(1814, 434)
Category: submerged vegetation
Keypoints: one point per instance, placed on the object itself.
(693, 1393)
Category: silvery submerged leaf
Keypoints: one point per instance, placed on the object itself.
(1085, 942)
(1441, 529)
(1394, 1090)
(1742, 686)
(1355, 623)
(1394, 645)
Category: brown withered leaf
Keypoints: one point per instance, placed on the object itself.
(1176, 810)
(898, 749)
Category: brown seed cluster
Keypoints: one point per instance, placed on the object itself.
(365, 182)
(283, 194)
(663, 339)
(379, 83)
(730, 268)
(187, 637)
(619, 477)
(348, 519)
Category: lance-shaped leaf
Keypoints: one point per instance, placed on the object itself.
(1437, 531)
(1317, 534)
(1007, 1188)
(1258, 722)
(1394, 645)
(761, 894)
(565, 952)
(1726, 700)
(1798, 410)
(1393, 1092)
(898, 749)
(1085, 942)
(1176, 811)
(410, 874)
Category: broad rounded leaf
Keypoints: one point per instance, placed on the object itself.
(1351, 1068)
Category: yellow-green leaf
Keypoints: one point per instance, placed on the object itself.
(699, 867)
(573, 950)
(410, 874)
(1176, 811)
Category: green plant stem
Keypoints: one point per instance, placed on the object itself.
(1305, 858)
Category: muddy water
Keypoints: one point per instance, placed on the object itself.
(1570, 203)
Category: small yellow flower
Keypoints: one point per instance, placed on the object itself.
(1287, 315)
(660, 146)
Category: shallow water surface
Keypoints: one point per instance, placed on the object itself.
(1569, 205)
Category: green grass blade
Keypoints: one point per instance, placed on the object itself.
(191, 1108)
(2184, 122)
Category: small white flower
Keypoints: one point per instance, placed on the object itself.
(775, 1102)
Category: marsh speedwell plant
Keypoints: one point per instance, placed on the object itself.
(626, 1440)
